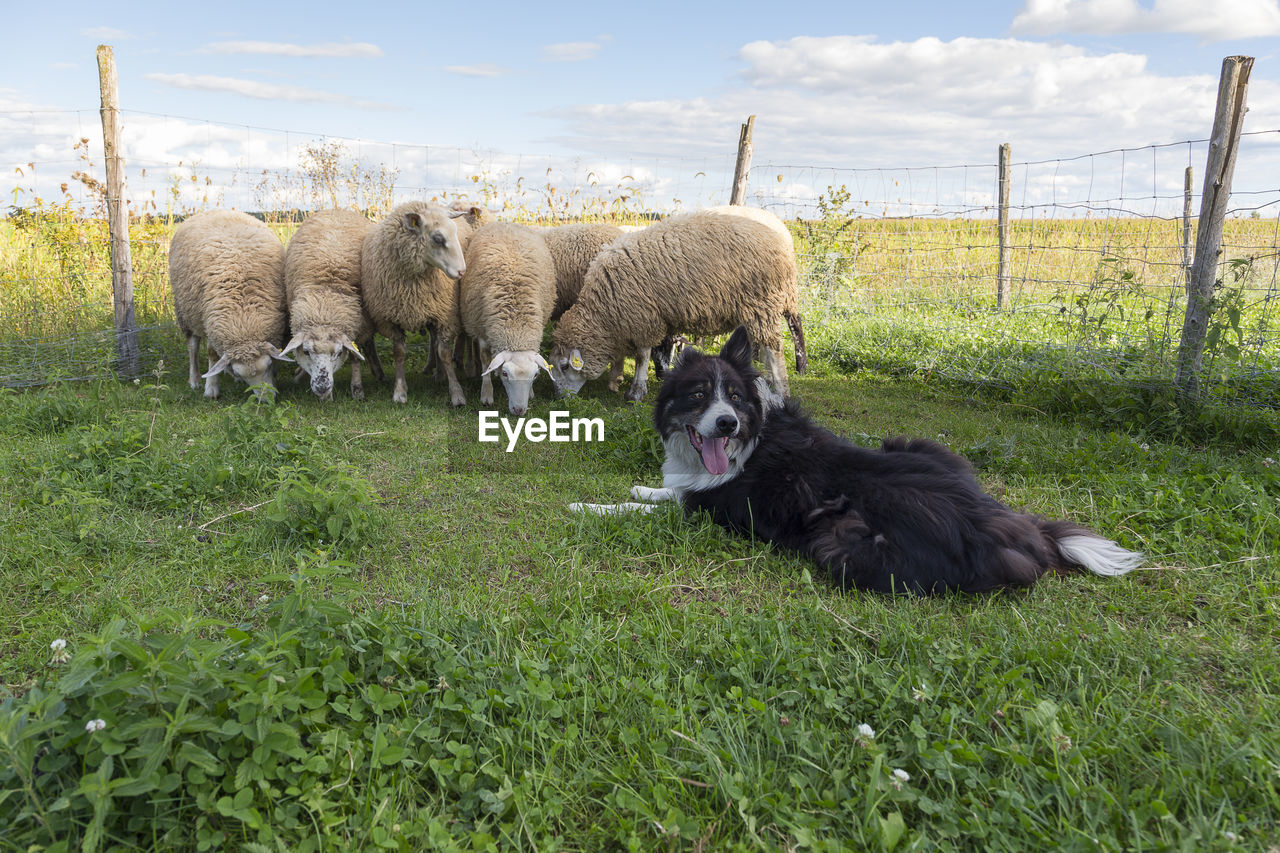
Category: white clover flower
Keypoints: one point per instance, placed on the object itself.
(59, 649)
(866, 731)
(918, 693)
(901, 775)
(137, 381)
(1230, 836)
(1144, 447)
(1268, 462)
(95, 725)
(264, 598)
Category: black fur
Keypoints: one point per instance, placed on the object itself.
(909, 516)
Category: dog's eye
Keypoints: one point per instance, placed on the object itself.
(698, 395)
(734, 396)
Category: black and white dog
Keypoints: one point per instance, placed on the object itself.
(909, 517)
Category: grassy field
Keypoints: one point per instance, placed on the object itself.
(353, 626)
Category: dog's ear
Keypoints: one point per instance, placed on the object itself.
(737, 350)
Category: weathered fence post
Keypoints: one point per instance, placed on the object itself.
(1188, 191)
(1224, 145)
(117, 217)
(1003, 274)
(739, 195)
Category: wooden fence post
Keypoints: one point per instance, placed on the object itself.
(1188, 189)
(1003, 274)
(740, 171)
(127, 352)
(1224, 145)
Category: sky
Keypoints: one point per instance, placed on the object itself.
(649, 96)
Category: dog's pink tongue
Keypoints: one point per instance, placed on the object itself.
(714, 458)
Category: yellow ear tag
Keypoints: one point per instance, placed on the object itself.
(355, 346)
(576, 362)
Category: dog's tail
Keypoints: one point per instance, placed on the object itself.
(797, 338)
(1079, 546)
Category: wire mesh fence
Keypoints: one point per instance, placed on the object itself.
(900, 266)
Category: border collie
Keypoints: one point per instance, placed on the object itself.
(908, 517)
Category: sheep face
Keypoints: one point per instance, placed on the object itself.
(322, 356)
(253, 365)
(571, 368)
(517, 371)
(434, 239)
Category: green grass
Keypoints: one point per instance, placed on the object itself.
(460, 662)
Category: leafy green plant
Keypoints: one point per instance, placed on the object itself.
(330, 504)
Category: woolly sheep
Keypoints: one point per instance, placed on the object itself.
(698, 273)
(326, 315)
(409, 266)
(226, 270)
(573, 248)
(507, 297)
(664, 353)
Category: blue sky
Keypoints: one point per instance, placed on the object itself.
(832, 84)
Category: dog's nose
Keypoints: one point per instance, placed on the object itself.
(726, 424)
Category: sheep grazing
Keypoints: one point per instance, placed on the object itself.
(326, 316)
(226, 270)
(699, 273)
(409, 266)
(507, 297)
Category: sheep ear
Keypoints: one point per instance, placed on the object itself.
(352, 348)
(294, 343)
(542, 362)
(276, 353)
(498, 360)
(218, 366)
(575, 359)
(737, 350)
(455, 213)
(412, 221)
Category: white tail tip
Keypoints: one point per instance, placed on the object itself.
(1098, 555)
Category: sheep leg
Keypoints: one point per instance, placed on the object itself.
(445, 351)
(400, 392)
(486, 379)
(640, 385)
(775, 364)
(211, 384)
(615, 373)
(370, 350)
(193, 357)
(433, 363)
(357, 380)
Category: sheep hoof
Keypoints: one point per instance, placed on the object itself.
(357, 393)
(400, 397)
(636, 393)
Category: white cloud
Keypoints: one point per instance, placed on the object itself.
(572, 51)
(105, 34)
(852, 102)
(328, 50)
(1218, 21)
(263, 91)
(486, 69)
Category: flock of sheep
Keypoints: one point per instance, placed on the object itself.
(611, 293)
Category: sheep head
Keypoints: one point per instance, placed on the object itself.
(432, 236)
(571, 367)
(252, 364)
(517, 371)
(321, 355)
